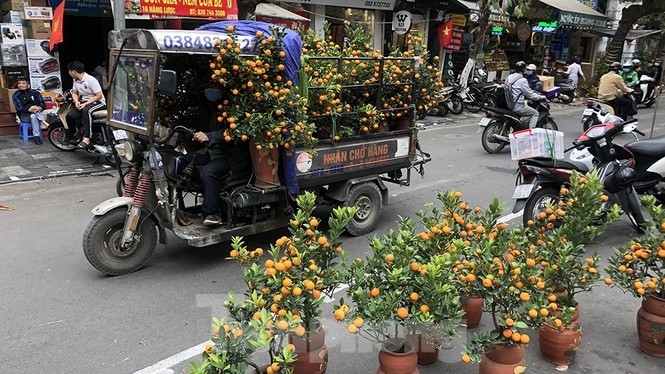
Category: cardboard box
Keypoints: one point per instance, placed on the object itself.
(13, 5)
(548, 82)
(13, 16)
(43, 65)
(51, 82)
(6, 94)
(34, 12)
(13, 55)
(39, 48)
(11, 33)
(37, 29)
(11, 74)
(536, 143)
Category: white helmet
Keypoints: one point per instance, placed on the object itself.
(531, 67)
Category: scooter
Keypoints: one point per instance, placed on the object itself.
(646, 88)
(595, 113)
(541, 178)
(65, 136)
(499, 123)
(566, 90)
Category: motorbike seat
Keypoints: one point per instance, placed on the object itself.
(98, 114)
(654, 147)
(561, 163)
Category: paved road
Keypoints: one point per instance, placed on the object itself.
(58, 315)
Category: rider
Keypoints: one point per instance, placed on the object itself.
(610, 83)
(521, 90)
(534, 80)
(629, 75)
(650, 71)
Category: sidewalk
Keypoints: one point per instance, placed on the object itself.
(24, 161)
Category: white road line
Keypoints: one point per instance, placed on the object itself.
(163, 366)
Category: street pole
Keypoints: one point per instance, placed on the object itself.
(118, 9)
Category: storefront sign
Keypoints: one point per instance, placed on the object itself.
(546, 27)
(593, 4)
(31, 12)
(289, 24)
(580, 20)
(85, 7)
(458, 20)
(497, 30)
(402, 22)
(358, 4)
(455, 41)
(220, 9)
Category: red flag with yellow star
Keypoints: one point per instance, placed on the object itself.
(56, 30)
(445, 33)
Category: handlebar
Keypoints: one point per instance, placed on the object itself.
(640, 132)
(189, 133)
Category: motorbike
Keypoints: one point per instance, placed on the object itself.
(565, 91)
(449, 102)
(540, 179)
(498, 124)
(644, 91)
(595, 113)
(65, 136)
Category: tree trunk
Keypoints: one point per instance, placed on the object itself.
(482, 28)
(629, 16)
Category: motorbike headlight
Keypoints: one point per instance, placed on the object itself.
(130, 151)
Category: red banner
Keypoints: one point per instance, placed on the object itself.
(455, 41)
(445, 32)
(56, 31)
(218, 9)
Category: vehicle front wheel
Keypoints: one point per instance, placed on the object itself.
(494, 137)
(57, 136)
(102, 243)
(538, 202)
(456, 104)
(367, 198)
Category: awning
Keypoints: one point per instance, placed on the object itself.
(274, 11)
(574, 13)
(632, 34)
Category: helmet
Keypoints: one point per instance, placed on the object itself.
(627, 64)
(615, 66)
(636, 62)
(531, 67)
(520, 66)
(622, 178)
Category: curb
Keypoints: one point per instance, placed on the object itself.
(65, 173)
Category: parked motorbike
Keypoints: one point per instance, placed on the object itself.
(65, 136)
(450, 102)
(644, 91)
(541, 178)
(595, 113)
(566, 90)
(499, 123)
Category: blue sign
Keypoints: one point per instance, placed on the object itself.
(84, 7)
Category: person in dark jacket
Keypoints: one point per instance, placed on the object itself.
(534, 80)
(29, 106)
(220, 159)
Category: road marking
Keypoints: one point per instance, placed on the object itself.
(163, 366)
(511, 216)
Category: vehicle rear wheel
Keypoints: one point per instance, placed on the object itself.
(634, 212)
(567, 98)
(538, 202)
(57, 136)
(550, 125)
(477, 101)
(102, 238)
(367, 198)
(456, 104)
(493, 135)
(440, 110)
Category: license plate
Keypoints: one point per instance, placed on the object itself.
(587, 112)
(119, 134)
(485, 121)
(522, 191)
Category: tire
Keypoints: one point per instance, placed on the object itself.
(440, 110)
(456, 104)
(551, 125)
(568, 100)
(57, 136)
(367, 197)
(490, 102)
(105, 231)
(491, 145)
(477, 101)
(634, 212)
(537, 202)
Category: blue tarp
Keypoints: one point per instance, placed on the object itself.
(293, 48)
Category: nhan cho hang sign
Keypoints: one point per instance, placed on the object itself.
(218, 9)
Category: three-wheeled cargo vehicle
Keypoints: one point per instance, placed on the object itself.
(161, 191)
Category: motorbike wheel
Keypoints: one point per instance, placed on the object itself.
(367, 198)
(538, 202)
(476, 103)
(488, 140)
(567, 99)
(550, 125)
(101, 243)
(588, 123)
(456, 104)
(634, 214)
(490, 102)
(57, 136)
(440, 110)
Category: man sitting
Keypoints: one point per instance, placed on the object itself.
(30, 107)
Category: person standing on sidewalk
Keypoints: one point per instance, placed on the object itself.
(29, 106)
(88, 98)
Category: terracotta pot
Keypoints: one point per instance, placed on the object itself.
(560, 347)
(312, 353)
(398, 356)
(265, 164)
(651, 326)
(427, 352)
(503, 360)
(473, 310)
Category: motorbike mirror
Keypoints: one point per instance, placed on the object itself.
(167, 82)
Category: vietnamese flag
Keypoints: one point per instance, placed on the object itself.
(56, 31)
(445, 33)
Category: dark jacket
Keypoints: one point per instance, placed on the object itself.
(237, 154)
(534, 82)
(23, 100)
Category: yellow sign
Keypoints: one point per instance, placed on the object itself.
(459, 20)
